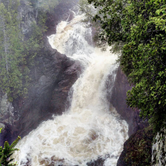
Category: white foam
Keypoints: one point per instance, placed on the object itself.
(91, 128)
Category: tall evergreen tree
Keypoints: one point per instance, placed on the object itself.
(7, 151)
(11, 48)
(16, 54)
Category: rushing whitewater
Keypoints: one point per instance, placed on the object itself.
(91, 128)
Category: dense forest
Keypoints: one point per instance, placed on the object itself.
(138, 27)
(17, 51)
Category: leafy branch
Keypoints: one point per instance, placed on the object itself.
(7, 151)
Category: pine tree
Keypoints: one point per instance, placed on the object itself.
(7, 151)
(11, 49)
(16, 54)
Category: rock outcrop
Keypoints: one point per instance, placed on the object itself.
(137, 149)
(61, 12)
(159, 149)
(52, 75)
(118, 100)
(48, 94)
(6, 111)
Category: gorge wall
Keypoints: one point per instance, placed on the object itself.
(52, 77)
(48, 90)
(118, 99)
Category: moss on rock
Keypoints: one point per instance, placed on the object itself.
(137, 149)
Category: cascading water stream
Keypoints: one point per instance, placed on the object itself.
(90, 128)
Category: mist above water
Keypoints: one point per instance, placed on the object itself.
(91, 127)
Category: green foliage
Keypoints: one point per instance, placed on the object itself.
(138, 148)
(90, 12)
(44, 5)
(141, 26)
(17, 53)
(10, 50)
(7, 151)
(110, 15)
(86, 8)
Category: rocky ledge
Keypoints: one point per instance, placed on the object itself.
(138, 149)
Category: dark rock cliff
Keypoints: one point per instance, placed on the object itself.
(118, 100)
(137, 149)
(48, 94)
(52, 76)
(61, 12)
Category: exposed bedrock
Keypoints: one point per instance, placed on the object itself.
(137, 149)
(61, 12)
(118, 100)
(51, 78)
(55, 75)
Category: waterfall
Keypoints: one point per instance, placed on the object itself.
(91, 128)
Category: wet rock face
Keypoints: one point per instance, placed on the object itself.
(137, 149)
(6, 133)
(98, 162)
(48, 94)
(61, 12)
(118, 100)
(6, 119)
(6, 110)
(159, 149)
(51, 77)
(61, 94)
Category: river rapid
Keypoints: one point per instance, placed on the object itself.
(91, 128)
